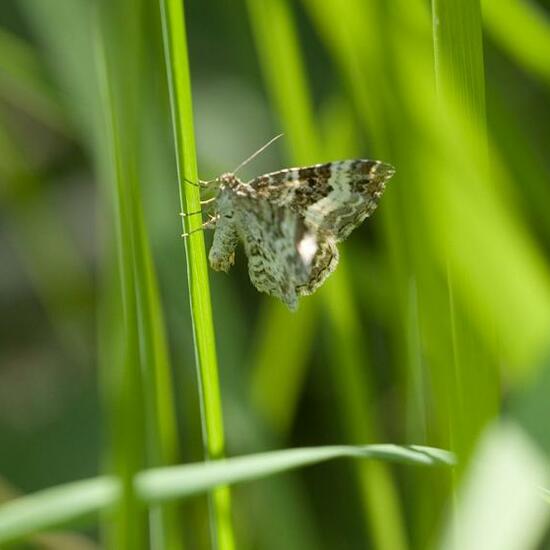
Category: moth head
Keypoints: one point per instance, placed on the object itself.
(227, 181)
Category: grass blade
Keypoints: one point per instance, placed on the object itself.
(458, 51)
(272, 25)
(65, 503)
(177, 66)
(124, 384)
(56, 506)
(523, 29)
(178, 481)
(279, 51)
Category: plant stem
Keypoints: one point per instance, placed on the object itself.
(177, 66)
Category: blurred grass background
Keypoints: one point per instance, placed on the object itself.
(435, 329)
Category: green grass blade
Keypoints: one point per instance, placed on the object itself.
(66, 503)
(459, 73)
(277, 45)
(360, 57)
(177, 66)
(56, 506)
(152, 382)
(522, 28)
(79, 82)
(271, 25)
(353, 389)
(278, 376)
(279, 51)
(458, 51)
(125, 407)
(178, 481)
(162, 436)
(503, 232)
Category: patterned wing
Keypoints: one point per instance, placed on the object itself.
(322, 265)
(334, 198)
(278, 261)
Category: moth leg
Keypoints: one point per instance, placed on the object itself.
(210, 200)
(210, 223)
(222, 251)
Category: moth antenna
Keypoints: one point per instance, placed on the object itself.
(254, 155)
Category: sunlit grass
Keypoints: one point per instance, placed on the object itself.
(177, 66)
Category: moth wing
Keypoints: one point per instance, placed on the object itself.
(334, 198)
(277, 263)
(323, 263)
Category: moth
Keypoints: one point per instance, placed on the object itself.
(290, 221)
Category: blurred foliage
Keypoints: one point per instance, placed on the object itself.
(434, 330)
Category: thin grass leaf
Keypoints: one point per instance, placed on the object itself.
(157, 392)
(458, 51)
(162, 433)
(273, 27)
(360, 57)
(502, 228)
(177, 67)
(178, 481)
(522, 28)
(66, 503)
(459, 73)
(56, 506)
(279, 373)
(354, 388)
(276, 44)
(125, 407)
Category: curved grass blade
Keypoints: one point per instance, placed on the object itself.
(69, 502)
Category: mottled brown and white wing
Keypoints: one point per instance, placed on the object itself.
(278, 263)
(333, 198)
(324, 262)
